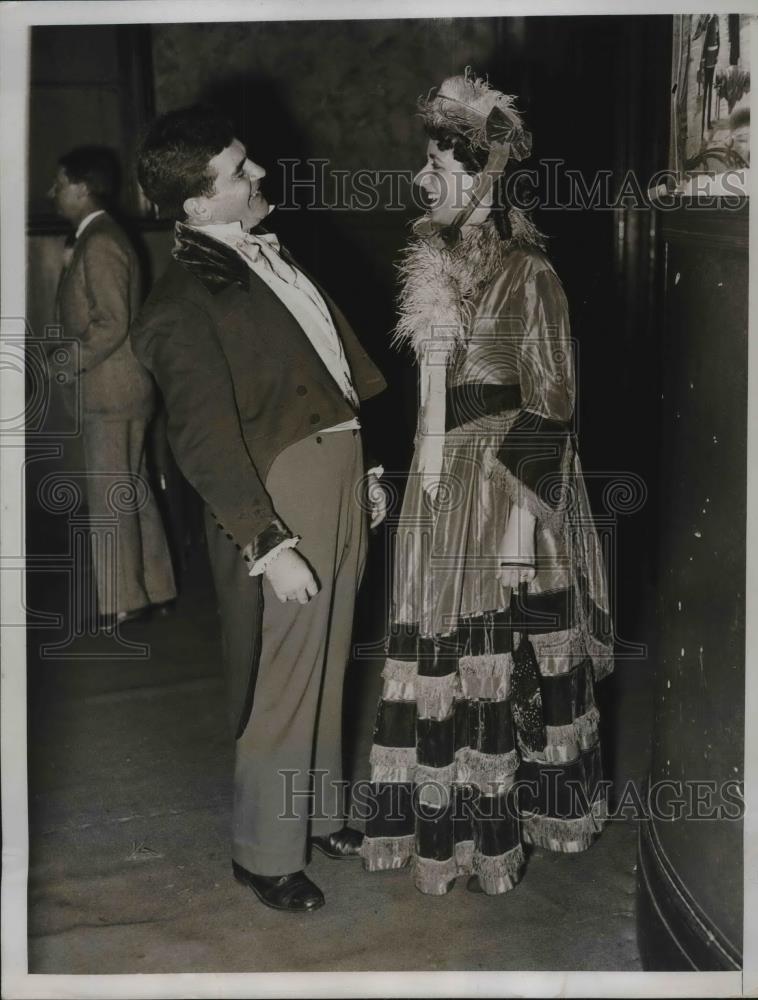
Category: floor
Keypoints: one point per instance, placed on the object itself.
(130, 767)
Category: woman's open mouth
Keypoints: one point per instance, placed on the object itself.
(429, 199)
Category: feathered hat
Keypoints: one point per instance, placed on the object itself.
(488, 120)
(480, 114)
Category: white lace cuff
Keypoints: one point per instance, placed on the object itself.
(265, 561)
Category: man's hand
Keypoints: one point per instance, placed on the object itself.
(291, 577)
(377, 497)
(517, 550)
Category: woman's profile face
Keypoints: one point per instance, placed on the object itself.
(445, 184)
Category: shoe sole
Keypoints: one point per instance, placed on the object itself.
(273, 906)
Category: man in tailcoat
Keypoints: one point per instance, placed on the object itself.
(98, 297)
(262, 378)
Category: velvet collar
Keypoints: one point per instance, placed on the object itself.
(214, 263)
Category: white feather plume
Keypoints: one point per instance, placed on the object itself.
(436, 302)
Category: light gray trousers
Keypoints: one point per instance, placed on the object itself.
(135, 571)
(292, 744)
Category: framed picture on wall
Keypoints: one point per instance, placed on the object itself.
(710, 107)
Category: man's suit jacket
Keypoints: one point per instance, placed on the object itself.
(98, 298)
(240, 379)
(241, 382)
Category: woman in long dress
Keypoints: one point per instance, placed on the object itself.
(486, 735)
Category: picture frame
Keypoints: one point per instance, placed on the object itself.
(710, 94)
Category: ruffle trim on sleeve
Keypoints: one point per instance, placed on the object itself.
(265, 561)
(271, 537)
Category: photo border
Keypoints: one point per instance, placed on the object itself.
(15, 21)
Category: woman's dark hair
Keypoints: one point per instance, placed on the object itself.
(172, 163)
(474, 159)
(95, 166)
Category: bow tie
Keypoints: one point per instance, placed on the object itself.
(257, 239)
(266, 246)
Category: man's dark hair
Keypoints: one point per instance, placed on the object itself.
(173, 157)
(95, 166)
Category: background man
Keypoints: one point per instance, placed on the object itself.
(98, 297)
(262, 378)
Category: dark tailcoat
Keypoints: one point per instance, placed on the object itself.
(241, 382)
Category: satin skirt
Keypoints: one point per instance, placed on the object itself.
(453, 789)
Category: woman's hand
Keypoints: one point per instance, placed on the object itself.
(517, 549)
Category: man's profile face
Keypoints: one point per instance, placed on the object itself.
(236, 196)
(445, 184)
(68, 197)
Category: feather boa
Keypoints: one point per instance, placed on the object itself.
(440, 286)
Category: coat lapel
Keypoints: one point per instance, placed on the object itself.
(212, 262)
(219, 267)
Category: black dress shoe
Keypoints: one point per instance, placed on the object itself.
(345, 843)
(294, 892)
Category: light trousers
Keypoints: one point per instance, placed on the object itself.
(288, 769)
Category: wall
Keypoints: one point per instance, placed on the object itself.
(343, 90)
(88, 85)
